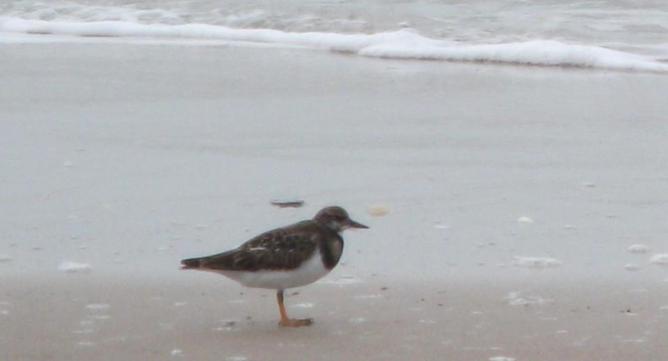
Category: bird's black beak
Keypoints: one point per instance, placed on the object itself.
(352, 224)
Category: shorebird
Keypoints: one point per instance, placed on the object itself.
(286, 257)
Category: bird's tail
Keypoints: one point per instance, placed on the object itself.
(191, 263)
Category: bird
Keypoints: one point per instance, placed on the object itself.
(285, 257)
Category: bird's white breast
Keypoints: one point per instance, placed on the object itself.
(308, 272)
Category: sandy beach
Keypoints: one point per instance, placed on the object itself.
(514, 197)
(202, 317)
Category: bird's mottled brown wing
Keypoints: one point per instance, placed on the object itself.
(279, 249)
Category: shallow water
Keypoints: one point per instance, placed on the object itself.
(124, 158)
(634, 23)
(568, 33)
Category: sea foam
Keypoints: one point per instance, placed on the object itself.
(74, 267)
(516, 299)
(638, 248)
(536, 262)
(400, 44)
(660, 259)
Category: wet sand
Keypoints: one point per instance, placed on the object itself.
(207, 318)
(125, 158)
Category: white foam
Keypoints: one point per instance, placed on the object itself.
(368, 297)
(357, 320)
(524, 219)
(634, 340)
(631, 267)
(501, 358)
(342, 281)
(74, 267)
(97, 306)
(400, 44)
(516, 299)
(536, 262)
(303, 305)
(638, 248)
(660, 259)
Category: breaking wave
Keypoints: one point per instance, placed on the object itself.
(400, 44)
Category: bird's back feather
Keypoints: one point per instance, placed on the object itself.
(283, 248)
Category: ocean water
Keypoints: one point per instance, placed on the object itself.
(614, 34)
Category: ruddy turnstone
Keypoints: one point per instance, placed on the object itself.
(283, 258)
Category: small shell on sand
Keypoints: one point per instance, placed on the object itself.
(638, 248)
(631, 267)
(367, 297)
(303, 305)
(357, 320)
(342, 281)
(660, 259)
(74, 267)
(536, 262)
(516, 299)
(525, 220)
(501, 358)
(97, 306)
(378, 210)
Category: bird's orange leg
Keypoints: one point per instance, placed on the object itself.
(288, 322)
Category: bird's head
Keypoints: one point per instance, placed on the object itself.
(336, 219)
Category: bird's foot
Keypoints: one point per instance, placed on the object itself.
(291, 322)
